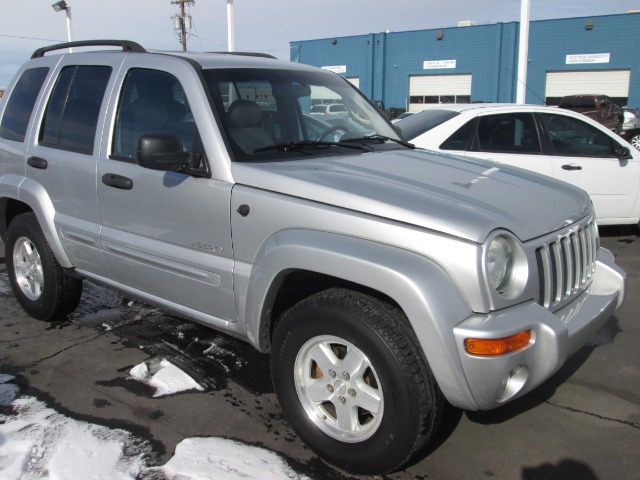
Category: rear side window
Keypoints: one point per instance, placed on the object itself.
(72, 114)
(578, 102)
(20, 104)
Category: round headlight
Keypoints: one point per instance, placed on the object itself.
(499, 263)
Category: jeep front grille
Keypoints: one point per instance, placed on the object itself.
(566, 264)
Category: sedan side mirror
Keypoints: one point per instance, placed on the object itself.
(623, 153)
(165, 152)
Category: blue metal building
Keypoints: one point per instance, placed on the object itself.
(479, 63)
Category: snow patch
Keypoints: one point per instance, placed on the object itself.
(165, 377)
(207, 458)
(37, 442)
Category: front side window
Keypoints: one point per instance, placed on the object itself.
(574, 138)
(271, 114)
(71, 117)
(508, 133)
(152, 101)
(20, 105)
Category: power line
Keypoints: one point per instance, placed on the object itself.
(33, 38)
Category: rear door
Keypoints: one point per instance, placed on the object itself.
(63, 154)
(164, 234)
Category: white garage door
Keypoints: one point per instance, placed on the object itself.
(430, 89)
(614, 83)
(323, 95)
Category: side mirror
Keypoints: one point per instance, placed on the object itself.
(161, 151)
(623, 153)
(165, 152)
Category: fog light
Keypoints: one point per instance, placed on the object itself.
(512, 383)
(498, 346)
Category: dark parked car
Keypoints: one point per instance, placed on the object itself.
(598, 107)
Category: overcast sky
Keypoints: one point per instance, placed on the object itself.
(260, 25)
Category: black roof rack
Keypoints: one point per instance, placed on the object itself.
(247, 54)
(127, 46)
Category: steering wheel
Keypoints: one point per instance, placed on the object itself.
(330, 130)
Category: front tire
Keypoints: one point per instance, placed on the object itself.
(352, 381)
(38, 281)
(635, 140)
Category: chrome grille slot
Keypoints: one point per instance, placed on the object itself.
(566, 264)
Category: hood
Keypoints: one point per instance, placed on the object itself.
(466, 198)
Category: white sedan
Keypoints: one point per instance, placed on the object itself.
(555, 142)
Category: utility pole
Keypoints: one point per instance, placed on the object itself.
(182, 22)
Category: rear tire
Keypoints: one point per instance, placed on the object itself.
(635, 140)
(353, 383)
(38, 281)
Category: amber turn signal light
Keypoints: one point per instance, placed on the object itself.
(498, 346)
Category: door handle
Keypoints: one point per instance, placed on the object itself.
(571, 167)
(117, 181)
(37, 162)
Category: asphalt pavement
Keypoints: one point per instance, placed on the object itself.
(584, 423)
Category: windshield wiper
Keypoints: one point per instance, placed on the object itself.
(382, 139)
(285, 147)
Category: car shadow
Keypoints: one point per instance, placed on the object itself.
(621, 231)
(563, 470)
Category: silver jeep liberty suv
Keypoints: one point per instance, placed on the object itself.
(383, 280)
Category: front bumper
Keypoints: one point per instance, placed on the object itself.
(495, 380)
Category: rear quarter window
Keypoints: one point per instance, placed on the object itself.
(461, 139)
(72, 113)
(17, 113)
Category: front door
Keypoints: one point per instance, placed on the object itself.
(164, 234)
(585, 156)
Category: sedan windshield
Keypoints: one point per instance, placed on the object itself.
(271, 115)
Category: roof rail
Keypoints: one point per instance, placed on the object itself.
(247, 54)
(127, 46)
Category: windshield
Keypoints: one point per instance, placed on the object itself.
(272, 115)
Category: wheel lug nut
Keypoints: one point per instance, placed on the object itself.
(330, 388)
(352, 392)
(346, 375)
(332, 373)
(342, 400)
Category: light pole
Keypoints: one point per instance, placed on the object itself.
(230, 30)
(60, 6)
(523, 51)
